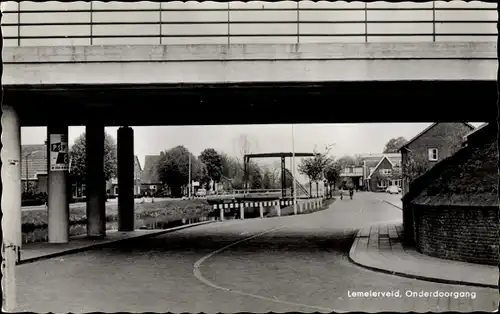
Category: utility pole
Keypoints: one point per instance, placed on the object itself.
(293, 169)
(189, 176)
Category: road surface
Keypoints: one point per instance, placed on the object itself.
(293, 263)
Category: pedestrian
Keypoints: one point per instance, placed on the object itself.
(351, 191)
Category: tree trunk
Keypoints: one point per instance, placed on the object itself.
(317, 189)
(310, 189)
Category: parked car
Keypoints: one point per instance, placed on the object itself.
(393, 189)
(201, 193)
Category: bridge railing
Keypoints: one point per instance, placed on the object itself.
(99, 23)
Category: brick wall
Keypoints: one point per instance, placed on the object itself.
(467, 234)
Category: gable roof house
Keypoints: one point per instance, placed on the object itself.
(34, 166)
(459, 193)
(380, 176)
(112, 185)
(436, 142)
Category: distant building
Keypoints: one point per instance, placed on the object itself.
(451, 211)
(150, 178)
(112, 185)
(363, 175)
(437, 142)
(385, 173)
(34, 166)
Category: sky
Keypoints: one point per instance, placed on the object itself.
(347, 139)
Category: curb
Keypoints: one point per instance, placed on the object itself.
(393, 205)
(105, 243)
(413, 276)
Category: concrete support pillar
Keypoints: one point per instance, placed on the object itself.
(58, 183)
(10, 203)
(95, 182)
(278, 208)
(242, 210)
(261, 210)
(126, 162)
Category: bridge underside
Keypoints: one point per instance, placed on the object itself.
(205, 104)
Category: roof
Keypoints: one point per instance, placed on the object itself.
(426, 130)
(150, 173)
(475, 130)
(378, 165)
(371, 160)
(137, 170)
(467, 178)
(36, 157)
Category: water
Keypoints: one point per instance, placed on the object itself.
(41, 234)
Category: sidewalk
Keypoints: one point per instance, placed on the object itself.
(32, 252)
(380, 248)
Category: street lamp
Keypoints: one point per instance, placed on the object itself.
(26, 158)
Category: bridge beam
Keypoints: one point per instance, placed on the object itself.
(126, 163)
(95, 181)
(58, 183)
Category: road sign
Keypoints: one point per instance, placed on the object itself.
(59, 158)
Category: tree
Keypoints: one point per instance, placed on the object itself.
(213, 163)
(394, 144)
(413, 168)
(314, 168)
(78, 158)
(346, 161)
(332, 174)
(173, 169)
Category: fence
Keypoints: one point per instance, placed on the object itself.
(99, 23)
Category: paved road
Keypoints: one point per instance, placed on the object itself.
(300, 267)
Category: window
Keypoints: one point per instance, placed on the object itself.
(351, 169)
(433, 154)
(385, 171)
(382, 184)
(116, 190)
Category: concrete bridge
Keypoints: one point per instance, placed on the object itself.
(99, 57)
(100, 64)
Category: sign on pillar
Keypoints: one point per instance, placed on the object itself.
(261, 210)
(59, 159)
(242, 211)
(278, 208)
(58, 213)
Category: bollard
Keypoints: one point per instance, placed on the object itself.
(242, 211)
(261, 209)
(278, 209)
(222, 213)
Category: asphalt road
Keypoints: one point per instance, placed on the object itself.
(300, 264)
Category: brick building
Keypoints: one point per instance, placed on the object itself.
(112, 185)
(34, 168)
(150, 178)
(437, 142)
(452, 210)
(384, 174)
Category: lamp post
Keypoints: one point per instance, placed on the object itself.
(26, 159)
(189, 176)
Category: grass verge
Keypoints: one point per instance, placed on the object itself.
(162, 211)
